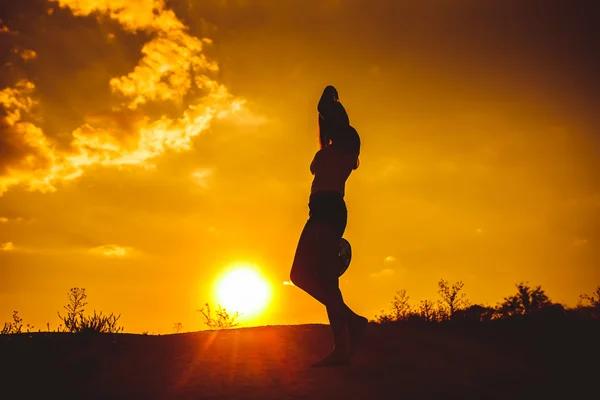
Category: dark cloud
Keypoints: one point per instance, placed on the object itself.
(479, 51)
(75, 59)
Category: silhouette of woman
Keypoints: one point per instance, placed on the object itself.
(315, 268)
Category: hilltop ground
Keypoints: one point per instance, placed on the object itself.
(395, 362)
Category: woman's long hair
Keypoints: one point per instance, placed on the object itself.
(334, 124)
(332, 120)
(346, 139)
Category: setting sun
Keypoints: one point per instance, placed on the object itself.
(243, 289)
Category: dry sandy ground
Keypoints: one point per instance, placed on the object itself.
(394, 362)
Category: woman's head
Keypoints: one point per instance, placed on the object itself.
(332, 120)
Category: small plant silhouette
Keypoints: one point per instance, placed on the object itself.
(592, 303)
(100, 323)
(221, 320)
(401, 309)
(76, 322)
(75, 308)
(177, 327)
(13, 327)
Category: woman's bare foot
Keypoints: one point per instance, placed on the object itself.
(356, 328)
(335, 359)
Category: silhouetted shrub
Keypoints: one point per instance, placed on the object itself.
(75, 309)
(526, 301)
(76, 322)
(452, 299)
(100, 323)
(221, 319)
(552, 312)
(14, 326)
(591, 304)
(527, 304)
(475, 313)
(428, 312)
(401, 310)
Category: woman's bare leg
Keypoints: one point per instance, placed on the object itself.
(347, 328)
(340, 355)
(317, 250)
(356, 328)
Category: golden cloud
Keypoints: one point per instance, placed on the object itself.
(28, 54)
(383, 273)
(6, 246)
(202, 176)
(172, 70)
(25, 54)
(17, 220)
(132, 14)
(4, 29)
(112, 250)
(27, 155)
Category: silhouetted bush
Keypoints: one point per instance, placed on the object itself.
(76, 322)
(428, 311)
(452, 299)
(527, 304)
(591, 306)
(100, 323)
(553, 311)
(75, 309)
(475, 313)
(221, 319)
(401, 310)
(14, 326)
(526, 301)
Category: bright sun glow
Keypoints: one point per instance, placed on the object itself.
(243, 289)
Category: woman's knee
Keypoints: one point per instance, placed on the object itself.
(298, 275)
(294, 278)
(303, 280)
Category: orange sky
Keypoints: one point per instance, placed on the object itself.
(143, 152)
